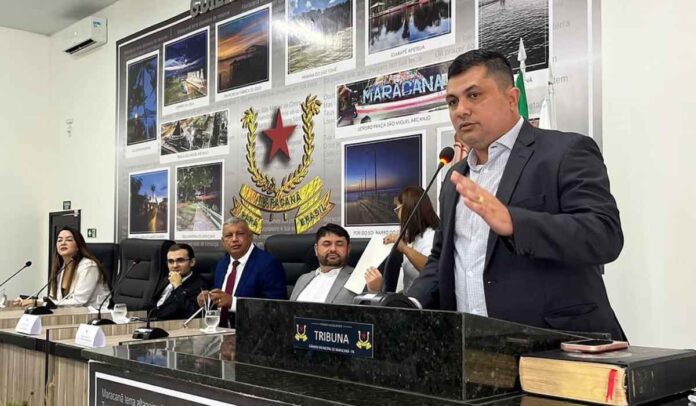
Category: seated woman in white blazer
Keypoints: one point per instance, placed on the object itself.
(77, 277)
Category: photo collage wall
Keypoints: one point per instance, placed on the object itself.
(295, 113)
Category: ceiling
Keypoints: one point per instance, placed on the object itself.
(47, 16)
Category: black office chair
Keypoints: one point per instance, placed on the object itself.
(296, 253)
(137, 284)
(206, 262)
(107, 253)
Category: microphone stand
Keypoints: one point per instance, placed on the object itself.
(46, 308)
(40, 310)
(99, 321)
(387, 298)
(26, 265)
(147, 332)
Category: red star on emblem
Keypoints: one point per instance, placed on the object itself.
(279, 137)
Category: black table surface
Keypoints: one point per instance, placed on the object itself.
(211, 360)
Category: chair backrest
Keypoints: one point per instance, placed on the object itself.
(107, 253)
(206, 261)
(136, 285)
(296, 253)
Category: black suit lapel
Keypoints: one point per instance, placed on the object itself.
(519, 156)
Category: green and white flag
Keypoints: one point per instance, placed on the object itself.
(519, 83)
(547, 115)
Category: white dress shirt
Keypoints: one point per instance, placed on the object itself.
(170, 288)
(423, 243)
(240, 268)
(318, 289)
(85, 288)
(471, 232)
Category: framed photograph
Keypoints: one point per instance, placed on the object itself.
(185, 72)
(195, 137)
(374, 171)
(398, 28)
(501, 24)
(392, 101)
(199, 201)
(244, 53)
(141, 104)
(320, 38)
(148, 211)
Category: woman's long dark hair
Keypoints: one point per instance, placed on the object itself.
(424, 218)
(82, 252)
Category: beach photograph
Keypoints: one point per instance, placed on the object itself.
(375, 171)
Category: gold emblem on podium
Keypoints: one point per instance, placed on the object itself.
(273, 198)
(301, 330)
(363, 340)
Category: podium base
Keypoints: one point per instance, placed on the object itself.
(145, 333)
(388, 299)
(38, 310)
(101, 322)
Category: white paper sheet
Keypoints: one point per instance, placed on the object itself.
(374, 254)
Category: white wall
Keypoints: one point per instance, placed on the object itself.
(648, 96)
(85, 91)
(25, 157)
(43, 87)
(649, 142)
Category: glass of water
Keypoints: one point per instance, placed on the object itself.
(119, 312)
(3, 298)
(212, 319)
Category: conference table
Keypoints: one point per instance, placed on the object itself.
(49, 366)
(417, 358)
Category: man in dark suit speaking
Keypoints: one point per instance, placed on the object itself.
(527, 218)
(245, 271)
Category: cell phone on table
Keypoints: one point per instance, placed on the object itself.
(593, 345)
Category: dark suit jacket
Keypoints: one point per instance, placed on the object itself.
(263, 276)
(565, 225)
(181, 303)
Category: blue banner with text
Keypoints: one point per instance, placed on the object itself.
(340, 337)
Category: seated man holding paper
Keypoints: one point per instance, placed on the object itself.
(178, 299)
(326, 284)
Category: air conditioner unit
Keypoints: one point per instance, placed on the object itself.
(85, 35)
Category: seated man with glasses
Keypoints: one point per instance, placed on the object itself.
(178, 299)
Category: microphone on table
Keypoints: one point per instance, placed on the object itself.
(147, 332)
(46, 308)
(386, 296)
(99, 320)
(26, 265)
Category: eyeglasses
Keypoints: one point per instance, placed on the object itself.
(397, 208)
(228, 237)
(178, 261)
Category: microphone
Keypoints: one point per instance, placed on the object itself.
(26, 265)
(99, 321)
(387, 297)
(135, 262)
(147, 332)
(46, 308)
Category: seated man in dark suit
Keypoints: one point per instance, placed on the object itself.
(178, 300)
(245, 271)
(325, 284)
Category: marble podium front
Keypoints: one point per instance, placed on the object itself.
(206, 366)
(450, 355)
